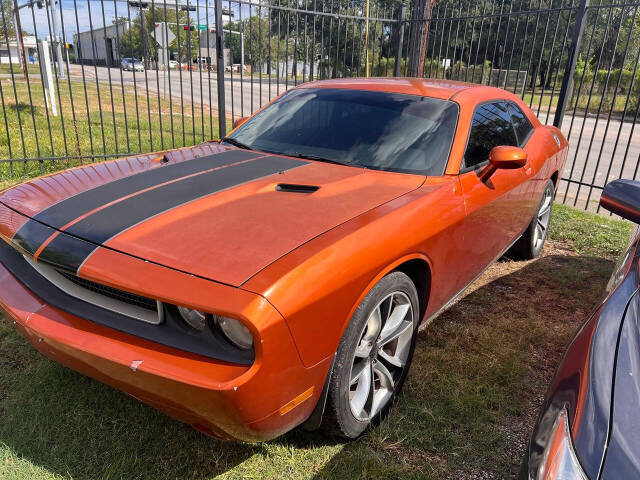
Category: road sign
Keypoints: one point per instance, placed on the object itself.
(163, 35)
(202, 27)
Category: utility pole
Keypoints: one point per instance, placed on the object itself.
(222, 117)
(16, 17)
(425, 38)
(143, 32)
(366, 41)
(401, 22)
(55, 20)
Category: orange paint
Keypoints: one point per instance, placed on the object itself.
(292, 267)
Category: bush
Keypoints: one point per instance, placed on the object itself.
(386, 67)
(582, 73)
(471, 73)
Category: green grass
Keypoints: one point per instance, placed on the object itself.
(589, 234)
(472, 395)
(544, 100)
(133, 124)
(17, 69)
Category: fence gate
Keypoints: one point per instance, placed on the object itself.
(131, 76)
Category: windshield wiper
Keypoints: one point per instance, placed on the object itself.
(236, 143)
(319, 159)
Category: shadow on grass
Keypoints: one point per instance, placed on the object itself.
(477, 374)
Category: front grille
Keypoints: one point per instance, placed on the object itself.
(126, 297)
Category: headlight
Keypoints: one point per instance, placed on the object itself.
(235, 332)
(559, 460)
(194, 318)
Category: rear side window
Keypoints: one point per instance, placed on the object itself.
(521, 124)
(491, 126)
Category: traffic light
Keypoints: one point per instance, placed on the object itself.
(138, 4)
(68, 46)
(189, 27)
(191, 8)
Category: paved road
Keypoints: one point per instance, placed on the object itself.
(598, 152)
(242, 92)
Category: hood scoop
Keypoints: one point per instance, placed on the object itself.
(296, 188)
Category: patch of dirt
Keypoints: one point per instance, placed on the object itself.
(557, 310)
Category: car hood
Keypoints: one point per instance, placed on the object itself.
(219, 213)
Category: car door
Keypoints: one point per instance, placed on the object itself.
(495, 207)
(532, 190)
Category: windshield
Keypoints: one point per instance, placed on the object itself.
(379, 130)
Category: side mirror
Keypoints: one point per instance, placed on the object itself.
(504, 158)
(622, 197)
(239, 122)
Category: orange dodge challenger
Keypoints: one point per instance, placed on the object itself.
(278, 277)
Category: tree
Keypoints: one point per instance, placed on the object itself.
(138, 42)
(333, 42)
(7, 26)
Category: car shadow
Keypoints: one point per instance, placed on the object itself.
(76, 427)
(468, 407)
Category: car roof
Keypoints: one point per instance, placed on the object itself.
(425, 87)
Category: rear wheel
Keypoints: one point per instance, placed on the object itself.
(373, 357)
(530, 244)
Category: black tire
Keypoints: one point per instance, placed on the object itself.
(530, 245)
(398, 292)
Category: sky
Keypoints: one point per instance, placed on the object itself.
(83, 13)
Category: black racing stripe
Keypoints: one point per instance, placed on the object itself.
(31, 236)
(73, 207)
(110, 221)
(67, 252)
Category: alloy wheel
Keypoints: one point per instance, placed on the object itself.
(381, 355)
(543, 219)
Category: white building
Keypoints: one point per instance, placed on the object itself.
(207, 45)
(102, 43)
(12, 55)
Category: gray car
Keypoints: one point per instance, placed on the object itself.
(131, 64)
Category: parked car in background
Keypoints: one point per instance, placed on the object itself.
(235, 67)
(131, 64)
(589, 427)
(279, 277)
(173, 64)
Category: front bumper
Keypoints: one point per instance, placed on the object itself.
(225, 400)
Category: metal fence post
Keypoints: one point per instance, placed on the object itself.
(567, 81)
(401, 22)
(222, 117)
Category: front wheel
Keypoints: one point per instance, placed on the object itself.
(373, 357)
(530, 244)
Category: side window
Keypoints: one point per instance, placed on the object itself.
(490, 126)
(521, 124)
